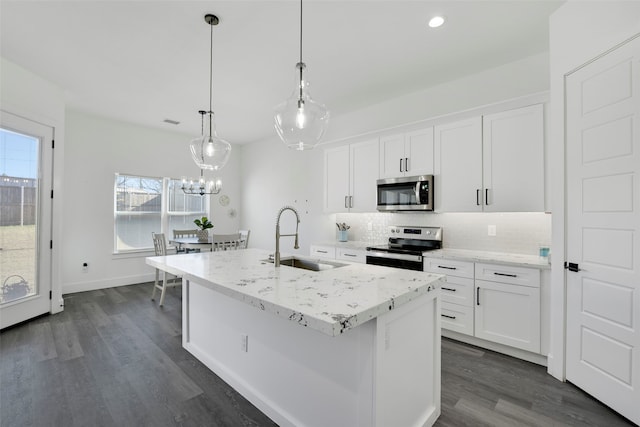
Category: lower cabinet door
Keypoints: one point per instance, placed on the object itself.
(508, 314)
(458, 318)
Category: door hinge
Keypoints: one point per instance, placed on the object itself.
(572, 266)
(50, 294)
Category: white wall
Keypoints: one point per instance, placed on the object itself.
(96, 149)
(274, 176)
(26, 94)
(579, 32)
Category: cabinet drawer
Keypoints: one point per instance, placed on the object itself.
(449, 267)
(508, 274)
(323, 251)
(457, 290)
(352, 255)
(457, 318)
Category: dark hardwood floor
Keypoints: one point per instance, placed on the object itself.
(114, 358)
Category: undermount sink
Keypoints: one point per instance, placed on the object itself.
(307, 264)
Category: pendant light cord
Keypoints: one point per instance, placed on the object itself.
(211, 84)
(300, 64)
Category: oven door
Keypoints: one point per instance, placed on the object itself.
(388, 259)
(405, 194)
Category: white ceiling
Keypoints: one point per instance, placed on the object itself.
(145, 61)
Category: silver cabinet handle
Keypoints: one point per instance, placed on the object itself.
(345, 201)
(351, 255)
(478, 197)
(448, 268)
(322, 252)
(350, 201)
(406, 164)
(448, 317)
(478, 295)
(448, 289)
(486, 196)
(400, 165)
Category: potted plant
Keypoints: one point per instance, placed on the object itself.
(203, 225)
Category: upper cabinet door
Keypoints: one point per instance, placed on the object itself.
(363, 177)
(458, 166)
(392, 156)
(407, 154)
(419, 152)
(336, 179)
(513, 160)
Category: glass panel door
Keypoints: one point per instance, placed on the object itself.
(25, 221)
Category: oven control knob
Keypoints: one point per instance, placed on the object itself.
(428, 232)
(393, 230)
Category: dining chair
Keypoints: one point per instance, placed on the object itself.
(244, 239)
(178, 234)
(168, 280)
(225, 242)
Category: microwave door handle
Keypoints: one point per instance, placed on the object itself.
(417, 189)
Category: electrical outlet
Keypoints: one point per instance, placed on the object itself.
(491, 230)
(244, 343)
(85, 267)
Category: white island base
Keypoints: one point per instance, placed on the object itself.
(384, 372)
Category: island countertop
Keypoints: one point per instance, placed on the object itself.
(330, 301)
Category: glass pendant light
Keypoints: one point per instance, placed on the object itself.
(300, 121)
(201, 186)
(210, 151)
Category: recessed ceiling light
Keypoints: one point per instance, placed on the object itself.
(436, 21)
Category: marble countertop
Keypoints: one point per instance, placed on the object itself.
(356, 244)
(492, 257)
(330, 301)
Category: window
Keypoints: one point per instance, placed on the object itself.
(147, 204)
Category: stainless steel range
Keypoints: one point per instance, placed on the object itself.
(406, 248)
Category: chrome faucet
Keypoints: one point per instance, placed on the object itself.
(278, 235)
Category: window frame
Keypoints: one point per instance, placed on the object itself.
(165, 214)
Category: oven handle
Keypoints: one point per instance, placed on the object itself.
(405, 257)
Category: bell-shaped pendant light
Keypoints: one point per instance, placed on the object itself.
(300, 121)
(210, 151)
(201, 186)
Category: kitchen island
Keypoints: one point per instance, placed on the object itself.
(354, 345)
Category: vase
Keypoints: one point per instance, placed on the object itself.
(203, 235)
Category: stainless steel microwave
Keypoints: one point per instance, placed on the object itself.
(411, 193)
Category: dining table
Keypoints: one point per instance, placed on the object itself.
(215, 242)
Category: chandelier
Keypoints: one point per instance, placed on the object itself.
(201, 186)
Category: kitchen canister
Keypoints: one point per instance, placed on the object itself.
(343, 236)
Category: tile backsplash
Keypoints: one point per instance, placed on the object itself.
(520, 233)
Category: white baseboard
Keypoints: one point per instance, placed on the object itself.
(498, 348)
(71, 288)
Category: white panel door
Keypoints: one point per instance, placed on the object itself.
(419, 152)
(26, 168)
(513, 160)
(458, 166)
(603, 228)
(392, 156)
(363, 177)
(336, 179)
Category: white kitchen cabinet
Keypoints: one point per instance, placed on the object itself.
(457, 293)
(407, 154)
(458, 166)
(339, 253)
(352, 255)
(351, 172)
(507, 308)
(493, 163)
(321, 251)
(513, 160)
